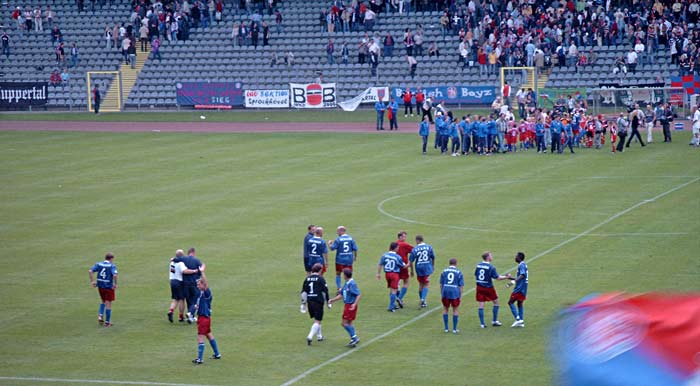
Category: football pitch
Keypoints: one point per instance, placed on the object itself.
(588, 223)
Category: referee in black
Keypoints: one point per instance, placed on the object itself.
(314, 293)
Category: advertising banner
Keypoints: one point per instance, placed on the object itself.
(209, 94)
(466, 95)
(266, 99)
(23, 94)
(370, 95)
(312, 95)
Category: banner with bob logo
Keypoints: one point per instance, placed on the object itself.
(312, 95)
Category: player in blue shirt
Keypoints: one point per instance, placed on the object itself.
(455, 140)
(203, 307)
(309, 234)
(481, 132)
(465, 131)
(318, 250)
(391, 263)
(423, 259)
(539, 136)
(556, 127)
(451, 286)
(484, 273)
(106, 284)
(350, 293)
(394, 107)
(492, 134)
(520, 291)
(346, 252)
(424, 132)
(569, 130)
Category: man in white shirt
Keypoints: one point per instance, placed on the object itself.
(639, 50)
(177, 290)
(695, 140)
(631, 60)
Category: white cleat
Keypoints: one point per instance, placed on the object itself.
(496, 323)
(518, 323)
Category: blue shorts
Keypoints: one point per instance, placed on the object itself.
(177, 290)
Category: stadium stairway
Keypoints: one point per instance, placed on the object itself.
(129, 76)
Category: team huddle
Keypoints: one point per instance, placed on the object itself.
(401, 262)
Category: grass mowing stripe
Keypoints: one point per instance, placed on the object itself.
(541, 254)
(97, 381)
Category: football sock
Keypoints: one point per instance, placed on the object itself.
(402, 293)
(108, 315)
(520, 312)
(182, 316)
(337, 281)
(320, 331)
(349, 329)
(425, 293)
(102, 309)
(495, 313)
(444, 320)
(481, 315)
(312, 331)
(200, 350)
(352, 332)
(392, 300)
(455, 320)
(170, 310)
(515, 313)
(214, 347)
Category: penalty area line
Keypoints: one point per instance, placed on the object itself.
(93, 381)
(539, 255)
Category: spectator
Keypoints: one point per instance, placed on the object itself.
(155, 47)
(132, 53)
(631, 60)
(55, 78)
(278, 21)
(330, 49)
(56, 35)
(369, 20)
(108, 37)
(412, 65)
(5, 44)
(374, 57)
(619, 66)
(125, 50)
(28, 17)
(116, 37)
(433, 50)
(17, 17)
(38, 20)
(408, 41)
(50, 15)
(345, 52)
(362, 50)
(266, 34)
(254, 34)
(143, 37)
(418, 43)
(74, 55)
(242, 34)
(289, 58)
(60, 55)
(388, 45)
(218, 11)
(273, 59)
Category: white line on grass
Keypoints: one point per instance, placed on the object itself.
(546, 252)
(97, 381)
(380, 208)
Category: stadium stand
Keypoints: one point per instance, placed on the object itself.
(211, 54)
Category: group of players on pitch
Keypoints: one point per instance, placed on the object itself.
(402, 261)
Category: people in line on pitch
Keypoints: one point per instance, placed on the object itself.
(424, 132)
(189, 280)
(484, 273)
(455, 140)
(422, 263)
(317, 249)
(314, 296)
(103, 275)
(203, 308)
(350, 294)
(451, 287)
(404, 250)
(307, 258)
(391, 263)
(380, 107)
(393, 112)
(346, 252)
(636, 118)
(519, 293)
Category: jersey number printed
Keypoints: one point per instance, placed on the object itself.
(313, 249)
(423, 256)
(311, 287)
(389, 265)
(346, 247)
(450, 278)
(103, 273)
(482, 274)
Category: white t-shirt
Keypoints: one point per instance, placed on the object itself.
(176, 270)
(696, 119)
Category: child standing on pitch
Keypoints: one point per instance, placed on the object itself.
(203, 308)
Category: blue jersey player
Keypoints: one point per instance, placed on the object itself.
(484, 273)
(350, 293)
(520, 291)
(451, 286)
(309, 234)
(346, 252)
(203, 307)
(317, 250)
(106, 284)
(423, 259)
(391, 263)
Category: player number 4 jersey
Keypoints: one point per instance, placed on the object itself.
(105, 274)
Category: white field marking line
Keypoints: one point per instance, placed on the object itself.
(97, 381)
(380, 208)
(544, 253)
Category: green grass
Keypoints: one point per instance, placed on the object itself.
(363, 115)
(244, 201)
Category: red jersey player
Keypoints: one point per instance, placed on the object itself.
(512, 138)
(403, 250)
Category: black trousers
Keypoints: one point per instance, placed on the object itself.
(667, 131)
(621, 140)
(635, 132)
(191, 294)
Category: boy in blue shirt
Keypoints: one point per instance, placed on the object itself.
(465, 131)
(424, 132)
(394, 107)
(350, 293)
(380, 107)
(520, 291)
(556, 127)
(454, 136)
(106, 284)
(203, 308)
(451, 286)
(539, 136)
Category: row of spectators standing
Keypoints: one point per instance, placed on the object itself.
(29, 19)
